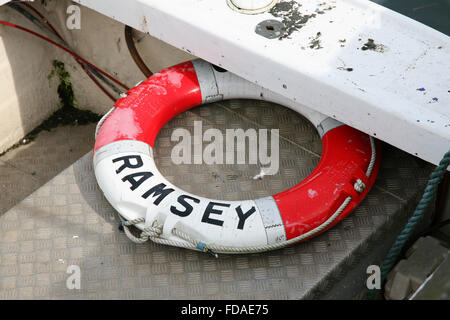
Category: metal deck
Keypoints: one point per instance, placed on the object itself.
(68, 222)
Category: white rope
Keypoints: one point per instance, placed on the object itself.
(100, 123)
(256, 249)
(359, 186)
(372, 158)
(147, 233)
(153, 233)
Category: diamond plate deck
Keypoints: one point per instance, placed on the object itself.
(24, 169)
(68, 222)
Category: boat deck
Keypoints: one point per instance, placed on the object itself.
(68, 222)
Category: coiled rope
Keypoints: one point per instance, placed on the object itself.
(428, 196)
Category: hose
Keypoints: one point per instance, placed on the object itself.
(134, 53)
(44, 24)
(89, 69)
(43, 19)
(5, 23)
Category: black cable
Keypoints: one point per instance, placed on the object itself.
(87, 68)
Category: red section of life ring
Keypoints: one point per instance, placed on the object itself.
(149, 106)
(346, 154)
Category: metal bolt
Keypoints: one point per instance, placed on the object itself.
(270, 29)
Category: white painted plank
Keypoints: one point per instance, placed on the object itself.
(399, 92)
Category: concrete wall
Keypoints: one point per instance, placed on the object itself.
(27, 97)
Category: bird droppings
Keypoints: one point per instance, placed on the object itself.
(433, 100)
(260, 175)
(291, 17)
(345, 69)
(315, 42)
(371, 45)
(312, 193)
(323, 6)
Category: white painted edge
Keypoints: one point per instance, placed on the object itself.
(381, 115)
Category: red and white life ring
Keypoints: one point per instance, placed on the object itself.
(127, 174)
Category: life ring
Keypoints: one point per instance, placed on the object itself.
(127, 174)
